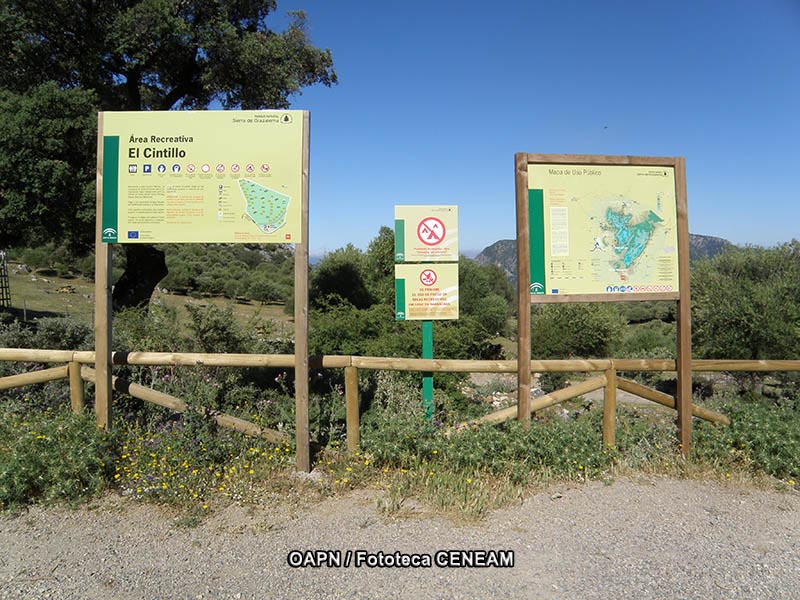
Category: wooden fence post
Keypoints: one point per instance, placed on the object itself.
(523, 291)
(351, 397)
(610, 408)
(75, 387)
(103, 255)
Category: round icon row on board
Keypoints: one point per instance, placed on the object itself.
(203, 168)
(221, 168)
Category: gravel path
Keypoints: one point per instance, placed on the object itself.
(651, 538)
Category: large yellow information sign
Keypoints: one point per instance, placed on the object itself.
(202, 176)
(602, 229)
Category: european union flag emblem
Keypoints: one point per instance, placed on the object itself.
(133, 235)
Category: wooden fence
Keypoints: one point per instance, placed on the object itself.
(605, 370)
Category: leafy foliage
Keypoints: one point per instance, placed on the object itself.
(484, 292)
(763, 436)
(47, 148)
(746, 304)
(576, 330)
(161, 54)
(52, 457)
(340, 277)
(66, 59)
(263, 274)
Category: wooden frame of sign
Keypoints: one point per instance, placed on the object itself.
(538, 176)
(103, 306)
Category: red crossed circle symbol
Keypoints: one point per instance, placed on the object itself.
(431, 231)
(428, 277)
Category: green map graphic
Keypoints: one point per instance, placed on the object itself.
(266, 207)
(630, 237)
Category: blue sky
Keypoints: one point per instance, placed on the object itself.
(434, 98)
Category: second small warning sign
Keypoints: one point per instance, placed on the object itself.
(426, 292)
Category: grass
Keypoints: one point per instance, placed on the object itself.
(39, 296)
(46, 296)
(52, 456)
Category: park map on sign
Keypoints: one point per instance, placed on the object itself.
(625, 234)
(608, 229)
(266, 207)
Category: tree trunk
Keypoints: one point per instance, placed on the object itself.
(144, 268)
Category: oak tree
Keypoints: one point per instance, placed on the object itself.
(63, 60)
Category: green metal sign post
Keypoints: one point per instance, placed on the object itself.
(427, 377)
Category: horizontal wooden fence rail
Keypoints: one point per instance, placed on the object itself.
(556, 397)
(389, 363)
(31, 377)
(668, 401)
(609, 379)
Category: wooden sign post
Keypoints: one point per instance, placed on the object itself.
(603, 229)
(203, 177)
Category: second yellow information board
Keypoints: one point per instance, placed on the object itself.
(602, 229)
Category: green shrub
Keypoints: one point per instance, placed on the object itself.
(763, 437)
(49, 333)
(580, 330)
(651, 338)
(52, 457)
(340, 277)
(746, 305)
(577, 330)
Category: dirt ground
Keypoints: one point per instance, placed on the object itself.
(648, 537)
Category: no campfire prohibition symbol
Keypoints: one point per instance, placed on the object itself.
(428, 277)
(431, 231)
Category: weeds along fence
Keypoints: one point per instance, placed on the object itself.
(605, 376)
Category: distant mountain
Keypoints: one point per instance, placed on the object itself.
(706, 246)
(503, 253)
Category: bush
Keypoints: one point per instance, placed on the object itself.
(52, 458)
(651, 338)
(231, 270)
(48, 333)
(340, 277)
(576, 330)
(764, 436)
(265, 290)
(746, 304)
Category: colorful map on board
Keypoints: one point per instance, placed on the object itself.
(266, 207)
(626, 236)
(604, 229)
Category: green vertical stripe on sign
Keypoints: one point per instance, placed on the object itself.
(110, 189)
(399, 240)
(400, 299)
(536, 229)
